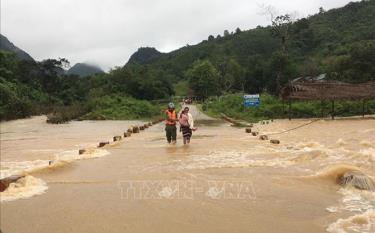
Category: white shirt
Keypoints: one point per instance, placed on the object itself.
(191, 121)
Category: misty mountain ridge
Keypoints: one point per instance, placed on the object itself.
(80, 69)
(84, 69)
(8, 46)
(144, 56)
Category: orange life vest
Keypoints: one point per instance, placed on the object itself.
(171, 115)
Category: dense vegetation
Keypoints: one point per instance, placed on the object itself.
(113, 107)
(339, 42)
(272, 107)
(29, 87)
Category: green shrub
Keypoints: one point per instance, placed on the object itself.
(273, 107)
(115, 107)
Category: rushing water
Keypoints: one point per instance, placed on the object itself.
(225, 181)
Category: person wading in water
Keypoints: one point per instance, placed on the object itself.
(170, 124)
(187, 125)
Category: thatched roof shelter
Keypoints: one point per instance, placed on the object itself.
(327, 90)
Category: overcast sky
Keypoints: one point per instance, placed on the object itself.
(107, 32)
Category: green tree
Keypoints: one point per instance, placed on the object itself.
(358, 65)
(232, 76)
(203, 79)
(281, 27)
(321, 10)
(8, 65)
(282, 69)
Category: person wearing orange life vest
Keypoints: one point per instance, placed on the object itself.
(170, 123)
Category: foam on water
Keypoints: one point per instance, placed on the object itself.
(309, 156)
(341, 142)
(363, 223)
(61, 159)
(270, 156)
(314, 151)
(369, 130)
(355, 200)
(72, 155)
(309, 145)
(359, 203)
(313, 147)
(25, 187)
(369, 153)
(367, 143)
(231, 159)
(29, 186)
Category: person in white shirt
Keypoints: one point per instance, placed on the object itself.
(187, 125)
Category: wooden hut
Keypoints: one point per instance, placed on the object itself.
(320, 89)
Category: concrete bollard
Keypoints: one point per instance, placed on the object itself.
(141, 127)
(50, 162)
(255, 133)
(263, 137)
(135, 129)
(127, 134)
(130, 130)
(5, 182)
(145, 126)
(248, 130)
(116, 138)
(275, 141)
(149, 123)
(101, 144)
(81, 151)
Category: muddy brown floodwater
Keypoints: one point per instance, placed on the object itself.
(225, 181)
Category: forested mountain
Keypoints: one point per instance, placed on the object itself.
(144, 55)
(6, 45)
(339, 42)
(83, 69)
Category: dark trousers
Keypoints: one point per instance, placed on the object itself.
(171, 132)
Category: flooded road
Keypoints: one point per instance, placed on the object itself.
(225, 181)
